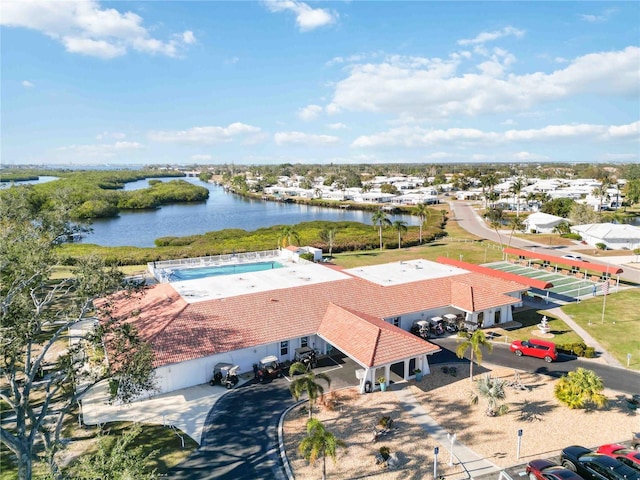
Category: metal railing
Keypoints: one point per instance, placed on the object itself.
(214, 260)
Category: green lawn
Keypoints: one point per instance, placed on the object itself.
(620, 332)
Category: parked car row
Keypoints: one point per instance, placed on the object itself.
(608, 462)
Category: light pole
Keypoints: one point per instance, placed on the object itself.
(519, 441)
(452, 439)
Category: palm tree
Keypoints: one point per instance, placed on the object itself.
(515, 224)
(319, 443)
(474, 343)
(580, 388)
(287, 235)
(422, 211)
(307, 383)
(487, 181)
(328, 235)
(516, 187)
(401, 227)
(492, 389)
(379, 219)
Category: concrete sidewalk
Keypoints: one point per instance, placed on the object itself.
(473, 463)
(186, 409)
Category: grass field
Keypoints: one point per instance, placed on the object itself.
(619, 333)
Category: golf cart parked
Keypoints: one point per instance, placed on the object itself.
(268, 368)
(225, 374)
(306, 356)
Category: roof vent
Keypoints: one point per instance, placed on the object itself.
(274, 299)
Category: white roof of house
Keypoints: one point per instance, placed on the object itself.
(540, 218)
(609, 231)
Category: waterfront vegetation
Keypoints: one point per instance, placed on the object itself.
(100, 194)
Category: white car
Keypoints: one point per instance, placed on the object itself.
(570, 256)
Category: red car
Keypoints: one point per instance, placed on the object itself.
(535, 348)
(546, 470)
(621, 453)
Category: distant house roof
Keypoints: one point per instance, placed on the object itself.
(540, 218)
(609, 231)
(179, 330)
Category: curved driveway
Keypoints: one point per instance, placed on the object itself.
(239, 440)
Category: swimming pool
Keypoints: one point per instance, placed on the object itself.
(181, 274)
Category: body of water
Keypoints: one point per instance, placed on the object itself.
(222, 210)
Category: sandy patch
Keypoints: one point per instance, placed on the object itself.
(547, 426)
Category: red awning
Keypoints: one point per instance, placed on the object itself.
(512, 277)
(612, 269)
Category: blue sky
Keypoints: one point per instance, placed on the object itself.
(89, 82)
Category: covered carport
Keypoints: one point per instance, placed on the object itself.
(578, 267)
(374, 345)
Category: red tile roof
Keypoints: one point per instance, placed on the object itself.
(179, 331)
(369, 340)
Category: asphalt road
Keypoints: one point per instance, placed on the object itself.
(239, 441)
(616, 378)
(468, 219)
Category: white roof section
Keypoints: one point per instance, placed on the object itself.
(609, 231)
(398, 273)
(541, 218)
(226, 286)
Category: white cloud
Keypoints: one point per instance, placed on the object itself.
(206, 135)
(529, 157)
(485, 37)
(415, 137)
(336, 126)
(421, 87)
(201, 158)
(101, 149)
(299, 138)
(307, 18)
(603, 17)
(115, 135)
(84, 27)
(310, 112)
(27, 84)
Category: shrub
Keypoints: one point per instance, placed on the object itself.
(385, 452)
(601, 246)
(572, 236)
(581, 388)
(307, 256)
(385, 422)
(578, 350)
(590, 352)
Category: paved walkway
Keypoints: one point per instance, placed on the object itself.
(186, 409)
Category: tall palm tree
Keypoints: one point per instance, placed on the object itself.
(422, 211)
(401, 227)
(307, 383)
(492, 389)
(319, 443)
(380, 220)
(516, 188)
(474, 342)
(328, 235)
(580, 388)
(288, 235)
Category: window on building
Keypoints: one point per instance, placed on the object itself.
(284, 348)
(304, 342)
(496, 316)
(395, 321)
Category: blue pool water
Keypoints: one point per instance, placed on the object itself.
(204, 272)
